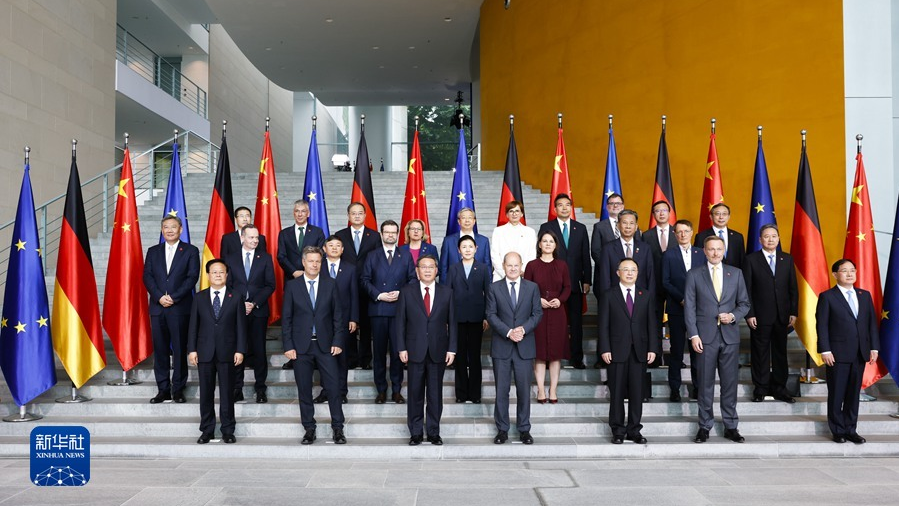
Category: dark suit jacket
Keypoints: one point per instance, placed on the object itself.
(701, 307)
(674, 276)
(231, 244)
(603, 233)
(422, 335)
(607, 266)
(261, 284)
(217, 339)
(576, 254)
(179, 283)
(298, 317)
(426, 249)
(378, 277)
(839, 332)
(347, 287)
(469, 294)
(503, 318)
(371, 240)
(651, 238)
(289, 254)
(449, 252)
(773, 297)
(736, 246)
(619, 332)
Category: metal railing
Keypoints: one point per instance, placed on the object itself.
(150, 169)
(157, 70)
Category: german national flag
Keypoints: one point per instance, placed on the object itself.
(362, 192)
(511, 182)
(221, 210)
(807, 248)
(664, 189)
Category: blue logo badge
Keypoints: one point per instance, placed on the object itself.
(60, 456)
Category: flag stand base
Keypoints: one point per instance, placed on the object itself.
(864, 397)
(124, 382)
(23, 416)
(808, 377)
(74, 398)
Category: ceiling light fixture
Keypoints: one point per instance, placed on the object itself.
(329, 20)
(447, 19)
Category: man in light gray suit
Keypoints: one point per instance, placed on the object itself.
(513, 311)
(715, 299)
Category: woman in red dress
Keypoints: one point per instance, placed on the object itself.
(551, 275)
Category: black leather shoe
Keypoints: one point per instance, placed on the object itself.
(338, 437)
(501, 437)
(637, 438)
(702, 435)
(855, 438)
(579, 365)
(238, 395)
(179, 398)
(381, 398)
(309, 437)
(398, 398)
(366, 367)
(694, 394)
(343, 399)
(785, 398)
(416, 440)
(320, 398)
(204, 438)
(160, 397)
(617, 440)
(675, 396)
(460, 400)
(435, 440)
(229, 438)
(526, 438)
(733, 435)
(839, 439)
(758, 398)
(288, 365)
(476, 401)
(261, 398)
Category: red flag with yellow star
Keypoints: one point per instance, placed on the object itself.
(415, 204)
(268, 220)
(861, 248)
(126, 315)
(561, 182)
(713, 188)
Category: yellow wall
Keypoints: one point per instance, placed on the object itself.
(745, 62)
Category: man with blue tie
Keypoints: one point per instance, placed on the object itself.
(171, 271)
(385, 272)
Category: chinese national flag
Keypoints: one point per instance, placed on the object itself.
(713, 188)
(415, 204)
(126, 316)
(561, 183)
(268, 220)
(861, 248)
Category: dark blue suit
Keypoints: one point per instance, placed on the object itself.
(348, 288)
(256, 289)
(231, 244)
(674, 282)
(380, 277)
(289, 254)
(736, 246)
(613, 252)
(169, 325)
(470, 299)
(358, 353)
(426, 249)
(449, 252)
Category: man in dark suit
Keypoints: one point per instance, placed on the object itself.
(348, 287)
(216, 344)
(426, 339)
(658, 238)
(171, 270)
(358, 241)
(847, 338)
(232, 242)
(573, 249)
(253, 278)
(676, 263)
(715, 299)
(292, 240)
(314, 328)
(771, 282)
(513, 311)
(607, 230)
(734, 245)
(626, 246)
(386, 270)
(628, 341)
(449, 250)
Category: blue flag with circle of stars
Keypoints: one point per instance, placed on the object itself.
(612, 183)
(462, 193)
(313, 191)
(889, 324)
(26, 346)
(174, 197)
(762, 205)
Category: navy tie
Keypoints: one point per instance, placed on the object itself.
(246, 265)
(514, 295)
(216, 305)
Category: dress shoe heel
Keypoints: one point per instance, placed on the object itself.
(339, 437)
(309, 437)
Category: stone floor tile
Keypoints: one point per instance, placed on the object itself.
(655, 477)
(776, 476)
(93, 496)
(106, 477)
(623, 496)
(862, 475)
(170, 496)
(7, 491)
(360, 478)
(244, 496)
(512, 478)
(478, 497)
(798, 495)
(253, 478)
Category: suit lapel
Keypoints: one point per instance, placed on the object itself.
(621, 301)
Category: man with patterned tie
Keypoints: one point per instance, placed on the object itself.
(734, 245)
(292, 240)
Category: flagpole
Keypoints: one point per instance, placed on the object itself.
(714, 121)
(560, 120)
(511, 123)
(610, 123)
(664, 123)
(864, 396)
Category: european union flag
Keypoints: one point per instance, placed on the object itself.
(889, 324)
(462, 195)
(612, 183)
(174, 197)
(26, 347)
(762, 205)
(313, 192)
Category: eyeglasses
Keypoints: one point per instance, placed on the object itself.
(847, 271)
(614, 204)
(416, 229)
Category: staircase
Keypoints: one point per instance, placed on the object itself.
(123, 423)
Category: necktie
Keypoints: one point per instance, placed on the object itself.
(428, 301)
(771, 263)
(630, 303)
(333, 272)
(390, 257)
(246, 265)
(513, 294)
(312, 293)
(357, 240)
(615, 229)
(716, 280)
(216, 305)
(663, 240)
(169, 256)
(565, 233)
(627, 250)
(721, 235)
(852, 305)
(300, 237)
